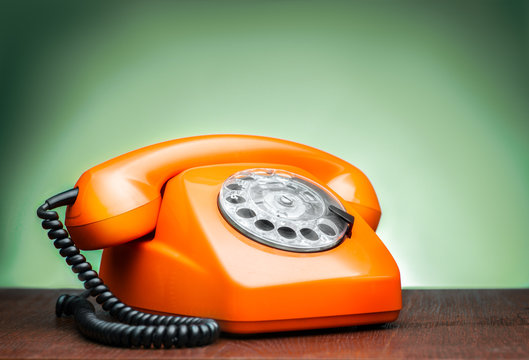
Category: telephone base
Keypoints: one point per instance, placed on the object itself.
(197, 264)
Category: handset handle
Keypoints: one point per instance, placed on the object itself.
(118, 200)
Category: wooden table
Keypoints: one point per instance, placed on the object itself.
(433, 324)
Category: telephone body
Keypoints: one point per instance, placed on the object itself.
(170, 246)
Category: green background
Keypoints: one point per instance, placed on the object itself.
(429, 99)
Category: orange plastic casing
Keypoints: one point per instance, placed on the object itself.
(195, 263)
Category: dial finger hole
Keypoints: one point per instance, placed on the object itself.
(264, 225)
(286, 232)
(309, 234)
(326, 229)
(246, 213)
(234, 186)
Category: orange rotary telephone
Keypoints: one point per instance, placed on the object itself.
(257, 233)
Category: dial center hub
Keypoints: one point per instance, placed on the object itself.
(285, 200)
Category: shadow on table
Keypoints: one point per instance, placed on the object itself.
(312, 332)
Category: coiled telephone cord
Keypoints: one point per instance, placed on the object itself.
(135, 328)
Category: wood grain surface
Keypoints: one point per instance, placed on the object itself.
(432, 324)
